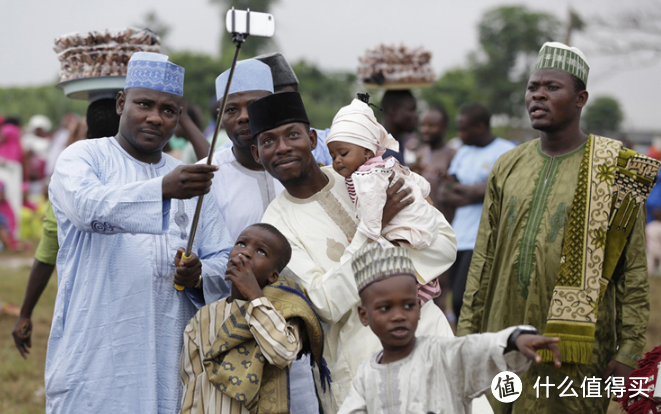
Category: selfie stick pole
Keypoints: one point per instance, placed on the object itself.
(237, 38)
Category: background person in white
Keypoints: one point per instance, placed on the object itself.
(469, 170)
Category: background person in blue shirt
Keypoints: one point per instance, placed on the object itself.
(469, 172)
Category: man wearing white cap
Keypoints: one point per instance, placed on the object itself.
(123, 208)
(561, 246)
(243, 189)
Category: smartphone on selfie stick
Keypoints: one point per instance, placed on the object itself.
(241, 24)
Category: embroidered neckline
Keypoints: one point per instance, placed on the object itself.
(543, 186)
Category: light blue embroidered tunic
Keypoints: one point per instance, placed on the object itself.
(118, 323)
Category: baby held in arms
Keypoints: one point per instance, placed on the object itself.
(356, 142)
(427, 374)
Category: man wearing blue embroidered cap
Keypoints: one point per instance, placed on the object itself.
(123, 209)
(243, 189)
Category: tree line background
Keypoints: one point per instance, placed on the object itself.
(495, 74)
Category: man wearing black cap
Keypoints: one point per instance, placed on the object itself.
(315, 213)
(285, 80)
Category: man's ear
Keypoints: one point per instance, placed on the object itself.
(121, 100)
(313, 139)
(255, 153)
(582, 99)
(362, 314)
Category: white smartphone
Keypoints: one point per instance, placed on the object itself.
(250, 23)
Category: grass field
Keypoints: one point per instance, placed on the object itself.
(22, 381)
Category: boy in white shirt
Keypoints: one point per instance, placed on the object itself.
(428, 374)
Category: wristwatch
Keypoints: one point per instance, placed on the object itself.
(511, 341)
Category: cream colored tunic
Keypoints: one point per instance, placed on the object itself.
(318, 229)
(440, 376)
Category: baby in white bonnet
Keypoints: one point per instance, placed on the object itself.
(356, 142)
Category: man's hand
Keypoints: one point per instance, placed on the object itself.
(187, 271)
(396, 200)
(528, 345)
(188, 181)
(456, 194)
(239, 272)
(22, 334)
(617, 369)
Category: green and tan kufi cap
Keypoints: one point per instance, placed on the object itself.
(555, 55)
(373, 262)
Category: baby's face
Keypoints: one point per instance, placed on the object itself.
(347, 157)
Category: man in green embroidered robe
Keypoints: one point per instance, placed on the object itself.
(561, 245)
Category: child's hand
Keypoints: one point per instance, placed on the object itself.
(528, 344)
(239, 272)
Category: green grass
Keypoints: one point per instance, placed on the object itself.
(22, 381)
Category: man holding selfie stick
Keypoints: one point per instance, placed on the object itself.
(118, 324)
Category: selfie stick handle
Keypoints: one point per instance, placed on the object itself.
(237, 38)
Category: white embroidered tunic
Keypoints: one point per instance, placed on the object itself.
(440, 376)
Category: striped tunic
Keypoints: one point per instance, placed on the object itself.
(279, 340)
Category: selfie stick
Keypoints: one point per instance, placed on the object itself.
(237, 38)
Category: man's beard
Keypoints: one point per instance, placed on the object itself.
(299, 178)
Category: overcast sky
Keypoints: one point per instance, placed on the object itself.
(330, 33)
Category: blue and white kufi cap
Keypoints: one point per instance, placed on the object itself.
(249, 75)
(153, 71)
